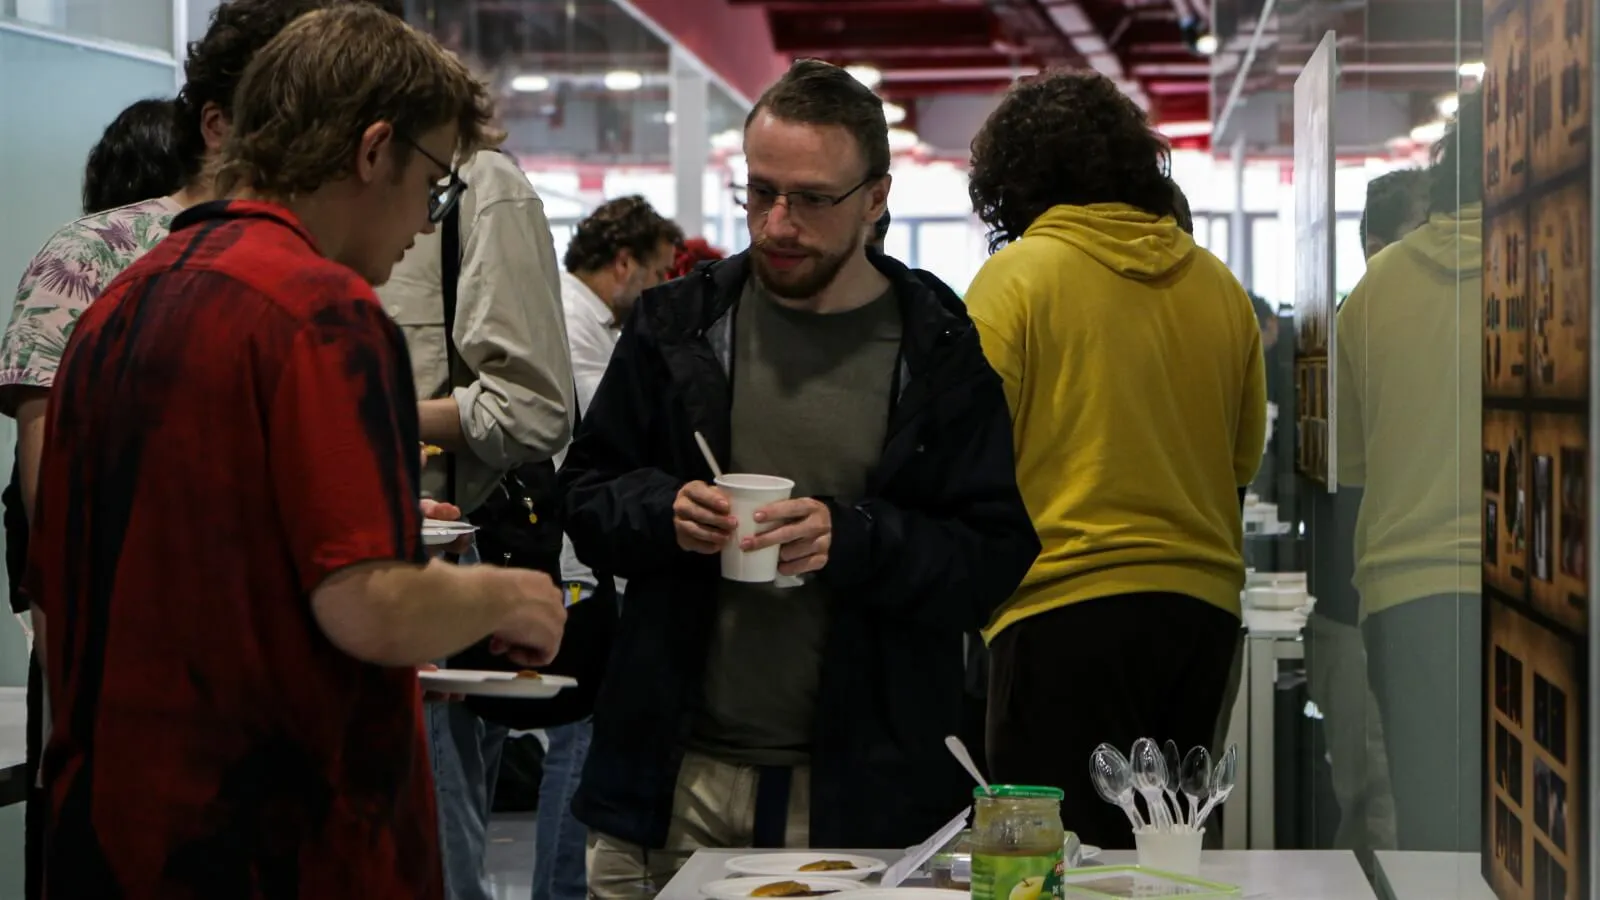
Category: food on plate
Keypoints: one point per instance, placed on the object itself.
(788, 889)
(829, 865)
(429, 450)
(529, 673)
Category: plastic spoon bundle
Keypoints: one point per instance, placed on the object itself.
(1160, 776)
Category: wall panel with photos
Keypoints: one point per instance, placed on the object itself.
(1537, 298)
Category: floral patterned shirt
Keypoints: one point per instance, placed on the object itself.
(65, 276)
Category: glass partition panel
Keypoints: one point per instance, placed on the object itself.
(72, 93)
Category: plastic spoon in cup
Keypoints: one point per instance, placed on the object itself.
(1150, 777)
(958, 749)
(1221, 782)
(1169, 755)
(1195, 779)
(705, 450)
(1113, 781)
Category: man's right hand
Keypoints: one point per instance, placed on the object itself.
(531, 634)
(700, 517)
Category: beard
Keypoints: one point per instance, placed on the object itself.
(805, 280)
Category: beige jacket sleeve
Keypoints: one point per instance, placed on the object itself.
(510, 328)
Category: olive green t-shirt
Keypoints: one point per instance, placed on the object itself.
(811, 398)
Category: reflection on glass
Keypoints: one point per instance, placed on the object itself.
(1349, 257)
(1409, 425)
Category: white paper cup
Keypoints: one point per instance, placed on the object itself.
(746, 494)
(1177, 852)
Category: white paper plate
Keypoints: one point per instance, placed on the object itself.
(477, 683)
(908, 894)
(789, 864)
(441, 531)
(741, 888)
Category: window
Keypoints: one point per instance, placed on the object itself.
(141, 23)
(561, 234)
(897, 243)
(1270, 276)
(1349, 257)
(951, 250)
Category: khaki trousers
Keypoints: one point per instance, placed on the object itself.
(713, 807)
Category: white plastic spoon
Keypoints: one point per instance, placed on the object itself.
(959, 751)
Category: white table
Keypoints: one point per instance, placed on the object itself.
(1271, 636)
(1432, 876)
(1264, 875)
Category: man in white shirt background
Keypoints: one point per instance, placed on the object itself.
(621, 250)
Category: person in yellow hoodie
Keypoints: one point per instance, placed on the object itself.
(1132, 363)
(1409, 433)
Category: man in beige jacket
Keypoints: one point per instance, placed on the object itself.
(508, 403)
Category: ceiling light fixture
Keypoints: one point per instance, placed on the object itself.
(530, 84)
(1473, 69)
(867, 75)
(1197, 36)
(623, 80)
(893, 113)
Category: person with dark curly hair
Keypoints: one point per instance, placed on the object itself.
(1132, 362)
(82, 257)
(1397, 202)
(621, 250)
(135, 158)
(735, 711)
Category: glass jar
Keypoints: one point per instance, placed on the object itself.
(1017, 843)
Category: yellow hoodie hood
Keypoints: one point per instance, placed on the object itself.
(1452, 244)
(1124, 239)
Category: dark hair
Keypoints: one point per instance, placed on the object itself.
(1065, 137)
(813, 92)
(1456, 175)
(626, 223)
(1180, 209)
(216, 62)
(1394, 200)
(307, 98)
(135, 159)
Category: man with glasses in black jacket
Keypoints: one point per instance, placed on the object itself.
(814, 714)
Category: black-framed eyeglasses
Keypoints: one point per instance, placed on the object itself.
(446, 192)
(760, 199)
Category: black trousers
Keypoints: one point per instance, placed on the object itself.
(33, 816)
(1111, 670)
